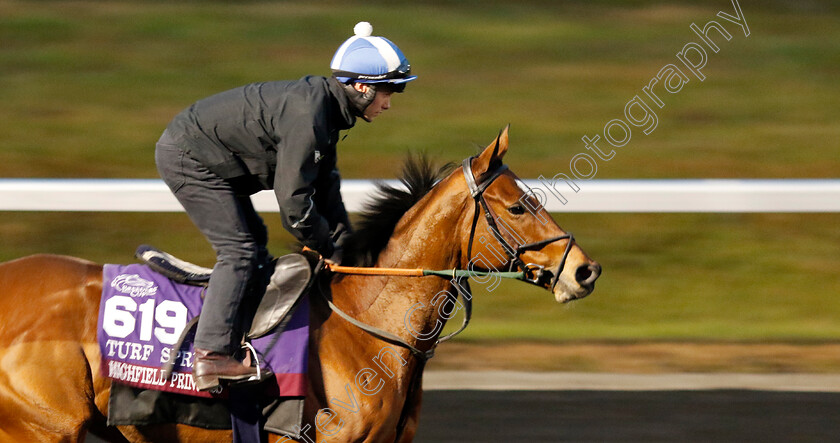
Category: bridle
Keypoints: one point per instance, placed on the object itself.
(531, 272)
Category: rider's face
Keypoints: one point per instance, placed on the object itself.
(381, 102)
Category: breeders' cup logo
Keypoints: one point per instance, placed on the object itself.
(134, 285)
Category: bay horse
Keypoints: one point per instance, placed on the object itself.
(360, 389)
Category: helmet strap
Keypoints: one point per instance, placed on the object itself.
(359, 100)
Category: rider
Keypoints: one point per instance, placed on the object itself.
(277, 135)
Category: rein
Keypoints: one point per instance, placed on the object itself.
(408, 272)
(417, 272)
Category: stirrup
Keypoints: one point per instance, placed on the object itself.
(260, 376)
(215, 383)
(253, 351)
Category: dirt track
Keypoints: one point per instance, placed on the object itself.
(615, 416)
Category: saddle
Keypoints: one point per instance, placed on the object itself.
(291, 278)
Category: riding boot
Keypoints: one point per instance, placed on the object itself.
(210, 367)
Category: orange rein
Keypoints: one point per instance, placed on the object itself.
(416, 272)
(355, 270)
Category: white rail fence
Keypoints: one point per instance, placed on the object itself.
(693, 195)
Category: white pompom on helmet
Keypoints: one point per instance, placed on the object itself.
(369, 59)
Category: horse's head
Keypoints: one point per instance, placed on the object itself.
(509, 229)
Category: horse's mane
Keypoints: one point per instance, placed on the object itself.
(380, 216)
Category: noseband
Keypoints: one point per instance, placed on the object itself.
(532, 273)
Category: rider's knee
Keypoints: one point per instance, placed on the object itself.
(248, 255)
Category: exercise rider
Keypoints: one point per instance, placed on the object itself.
(277, 135)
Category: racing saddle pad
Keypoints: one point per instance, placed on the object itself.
(142, 314)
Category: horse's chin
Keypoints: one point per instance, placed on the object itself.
(565, 292)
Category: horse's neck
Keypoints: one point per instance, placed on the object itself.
(426, 237)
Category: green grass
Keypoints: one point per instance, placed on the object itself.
(87, 88)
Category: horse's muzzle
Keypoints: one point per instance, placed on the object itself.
(585, 275)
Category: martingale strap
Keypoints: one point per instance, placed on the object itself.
(376, 332)
(393, 339)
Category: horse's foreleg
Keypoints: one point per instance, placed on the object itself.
(413, 418)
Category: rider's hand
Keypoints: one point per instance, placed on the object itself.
(335, 258)
(311, 255)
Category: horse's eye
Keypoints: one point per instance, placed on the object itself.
(516, 209)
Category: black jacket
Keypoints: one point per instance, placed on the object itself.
(277, 135)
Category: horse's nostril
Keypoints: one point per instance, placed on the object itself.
(587, 274)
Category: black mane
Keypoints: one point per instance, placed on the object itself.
(380, 216)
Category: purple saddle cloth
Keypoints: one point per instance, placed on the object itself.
(142, 314)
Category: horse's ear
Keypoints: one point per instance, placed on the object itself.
(492, 154)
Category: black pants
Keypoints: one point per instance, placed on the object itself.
(234, 229)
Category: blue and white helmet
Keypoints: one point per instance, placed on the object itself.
(369, 59)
